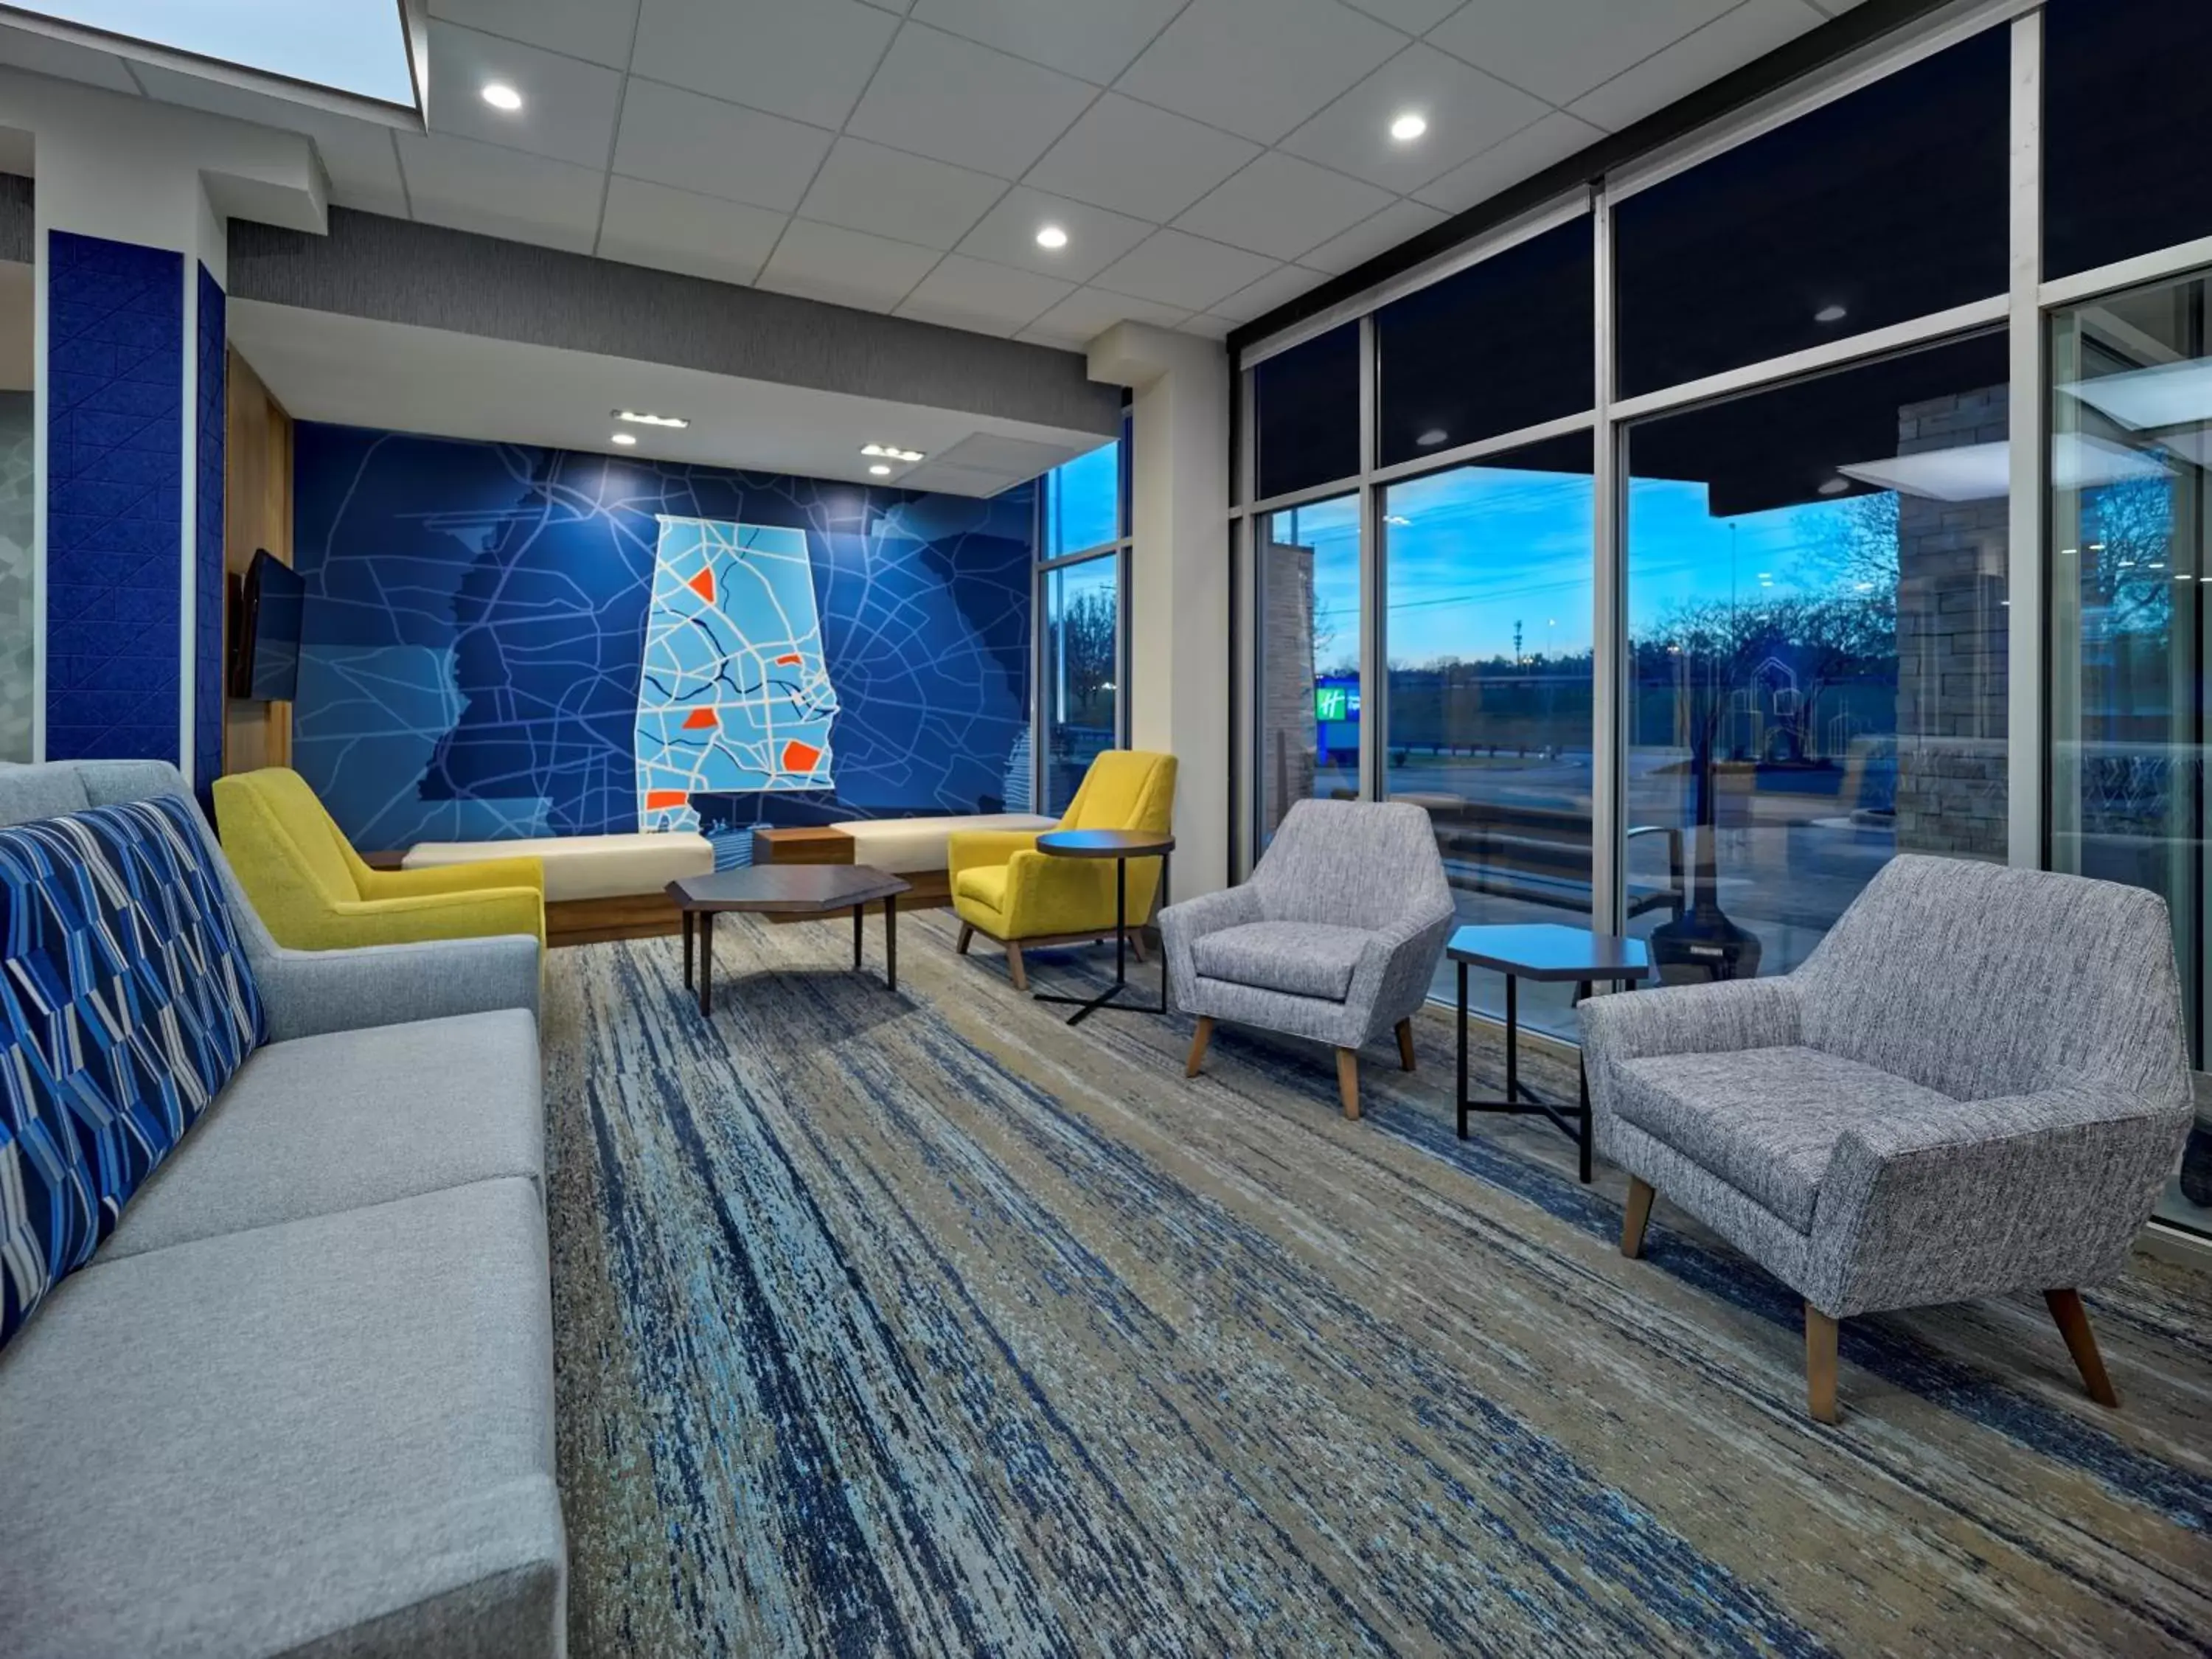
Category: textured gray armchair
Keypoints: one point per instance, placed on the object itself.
(1976, 1086)
(1336, 938)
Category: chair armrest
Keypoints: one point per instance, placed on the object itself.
(1069, 891)
(307, 992)
(1721, 1017)
(970, 849)
(474, 877)
(1182, 924)
(481, 912)
(1397, 966)
(2042, 1191)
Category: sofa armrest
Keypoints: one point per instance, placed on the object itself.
(307, 992)
(1182, 924)
(2042, 1191)
(478, 876)
(971, 849)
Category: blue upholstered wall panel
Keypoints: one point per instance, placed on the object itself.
(114, 497)
(206, 538)
(476, 616)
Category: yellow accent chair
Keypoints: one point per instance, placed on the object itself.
(1004, 889)
(315, 894)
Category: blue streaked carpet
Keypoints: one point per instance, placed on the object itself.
(924, 1325)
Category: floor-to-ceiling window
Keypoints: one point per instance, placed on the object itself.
(1311, 624)
(1083, 543)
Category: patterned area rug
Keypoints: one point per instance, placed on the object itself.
(922, 1324)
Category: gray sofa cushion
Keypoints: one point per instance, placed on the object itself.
(333, 1435)
(333, 1122)
(1300, 958)
(28, 794)
(1766, 1120)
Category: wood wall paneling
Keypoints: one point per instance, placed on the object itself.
(256, 512)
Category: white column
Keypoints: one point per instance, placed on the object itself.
(1179, 656)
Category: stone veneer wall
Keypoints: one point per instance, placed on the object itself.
(17, 620)
(1952, 644)
(1287, 733)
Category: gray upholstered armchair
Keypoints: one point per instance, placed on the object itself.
(1975, 1086)
(1336, 938)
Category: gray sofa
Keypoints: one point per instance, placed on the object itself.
(1335, 938)
(300, 1401)
(1975, 1086)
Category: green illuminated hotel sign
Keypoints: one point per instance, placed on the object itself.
(1332, 703)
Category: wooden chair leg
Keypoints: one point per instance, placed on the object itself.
(1347, 1080)
(1819, 1364)
(1633, 1216)
(967, 934)
(1406, 1044)
(1015, 970)
(2081, 1342)
(1199, 1039)
(1137, 945)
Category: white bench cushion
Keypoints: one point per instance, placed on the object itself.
(586, 867)
(901, 847)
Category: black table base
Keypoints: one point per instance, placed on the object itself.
(1108, 998)
(1573, 1121)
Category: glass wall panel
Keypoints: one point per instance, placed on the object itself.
(1817, 608)
(1306, 406)
(1310, 628)
(1082, 502)
(2131, 563)
(1504, 344)
(1885, 205)
(1488, 612)
(1083, 671)
(17, 471)
(2126, 128)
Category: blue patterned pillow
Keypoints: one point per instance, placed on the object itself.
(126, 1003)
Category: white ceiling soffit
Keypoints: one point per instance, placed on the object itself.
(1207, 159)
(362, 372)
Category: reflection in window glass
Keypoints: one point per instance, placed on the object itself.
(2126, 128)
(1887, 205)
(1817, 633)
(2130, 566)
(1488, 622)
(1083, 658)
(1081, 503)
(1309, 633)
(1306, 408)
(1504, 344)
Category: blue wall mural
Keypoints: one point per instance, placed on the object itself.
(474, 650)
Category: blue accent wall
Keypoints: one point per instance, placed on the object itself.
(208, 596)
(476, 621)
(114, 497)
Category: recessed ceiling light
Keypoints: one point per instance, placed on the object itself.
(880, 471)
(1432, 437)
(500, 95)
(625, 439)
(1834, 486)
(1409, 126)
(636, 417)
(1831, 314)
(1051, 236)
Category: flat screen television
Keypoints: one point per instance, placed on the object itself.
(265, 648)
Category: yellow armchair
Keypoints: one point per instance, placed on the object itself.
(1004, 889)
(315, 894)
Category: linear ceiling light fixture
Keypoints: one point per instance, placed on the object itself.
(635, 418)
(890, 452)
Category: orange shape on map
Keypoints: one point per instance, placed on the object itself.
(703, 586)
(657, 798)
(800, 757)
(788, 657)
(698, 718)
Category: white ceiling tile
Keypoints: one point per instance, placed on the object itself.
(599, 30)
(1258, 67)
(865, 186)
(1096, 237)
(974, 294)
(1082, 37)
(806, 61)
(1139, 160)
(1088, 313)
(1414, 17)
(1282, 206)
(1467, 110)
(43, 55)
(649, 224)
(1561, 49)
(358, 156)
(1378, 236)
(1278, 287)
(568, 108)
(941, 96)
(1207, 326)
(501, 192)
(1751, 30)
(1527, 153)
(1175, 270)
(671, 136)
(846, 267)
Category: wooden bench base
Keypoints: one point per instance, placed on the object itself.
(596, 921)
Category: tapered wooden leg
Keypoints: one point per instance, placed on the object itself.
(1199, 1039)
(967, 934)
(1819, 1364)
(1014, 969)
(1347, 1080)
(1406, 1044)
(1634, 1215)
(1137, 945)
(2081, 1342)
